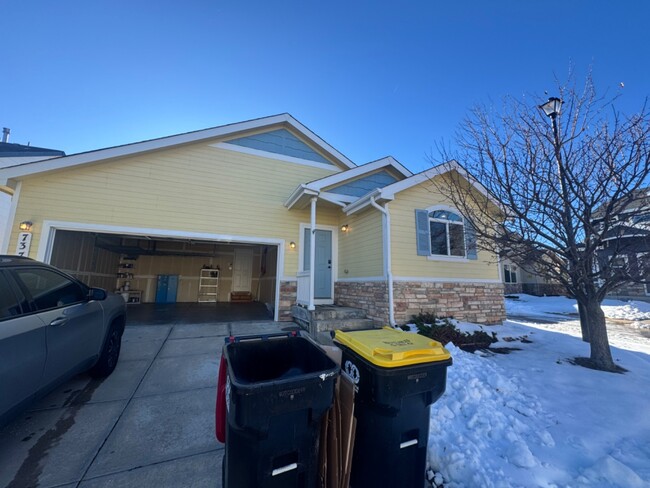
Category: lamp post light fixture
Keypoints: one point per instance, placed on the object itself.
(553, 107)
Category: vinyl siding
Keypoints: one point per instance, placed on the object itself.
(406, 262)
(361, 249)
(195, 188)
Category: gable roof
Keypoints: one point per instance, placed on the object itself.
(302, 193)
(12, 150)
(281, 120)
(388, 193)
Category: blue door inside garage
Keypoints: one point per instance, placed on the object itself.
(166, 288)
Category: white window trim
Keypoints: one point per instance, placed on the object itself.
(447, 257)
(515, 272)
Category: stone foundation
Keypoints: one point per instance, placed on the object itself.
(288, 295)
(481, 303)
(369, 296)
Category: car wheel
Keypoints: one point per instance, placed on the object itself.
(109, 355)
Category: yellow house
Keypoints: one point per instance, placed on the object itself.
(249, 209)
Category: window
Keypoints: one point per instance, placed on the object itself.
(447, 233)
(8, 304)
(510, 273)
(49, 289)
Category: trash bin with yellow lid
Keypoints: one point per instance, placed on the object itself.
(398, 376)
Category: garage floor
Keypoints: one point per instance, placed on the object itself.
(196, 313)
(151, 423)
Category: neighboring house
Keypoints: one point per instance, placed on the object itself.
(11, 155)
(629, 240)
(239, 201)
(518, 280)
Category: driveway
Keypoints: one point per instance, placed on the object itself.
(151, 423)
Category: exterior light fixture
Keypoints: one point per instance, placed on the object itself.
(25, 226)
(345, 227)
(553, 107)
(292, 245)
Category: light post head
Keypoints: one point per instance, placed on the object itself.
(553, 107)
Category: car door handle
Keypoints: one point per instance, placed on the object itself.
(59, 321)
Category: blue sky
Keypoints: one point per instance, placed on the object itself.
(372, 78)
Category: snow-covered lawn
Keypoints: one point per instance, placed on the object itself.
(531, 418)
(547, 307)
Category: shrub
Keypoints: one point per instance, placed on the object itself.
(443, 330)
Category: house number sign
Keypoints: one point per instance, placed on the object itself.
(24, 242)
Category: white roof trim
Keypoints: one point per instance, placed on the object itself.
(165, 142)
(388, 161)
(270, 155)
(388, 192)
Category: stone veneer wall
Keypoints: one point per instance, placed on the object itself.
(481, 303)
(288, 295)
(370, 296)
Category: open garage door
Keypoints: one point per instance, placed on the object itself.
(214, 280)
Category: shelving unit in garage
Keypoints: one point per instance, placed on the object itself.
(209, 285)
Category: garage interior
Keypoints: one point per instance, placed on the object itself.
(170, 276)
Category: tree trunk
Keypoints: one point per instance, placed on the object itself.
(601, 355)
(584, 324)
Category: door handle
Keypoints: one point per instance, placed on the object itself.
(59, 321)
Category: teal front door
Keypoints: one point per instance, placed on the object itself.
(323, 266)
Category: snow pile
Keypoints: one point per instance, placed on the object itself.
(532, 419)
(633, 310)
(548, 307)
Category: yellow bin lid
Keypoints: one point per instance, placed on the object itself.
(391, 348)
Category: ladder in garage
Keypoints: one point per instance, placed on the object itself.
(209, 286)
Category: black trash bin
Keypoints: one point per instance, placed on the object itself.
(398, 376)
(277, 390)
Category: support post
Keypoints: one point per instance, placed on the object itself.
(312, 253)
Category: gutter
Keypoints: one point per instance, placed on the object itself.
(387, 258)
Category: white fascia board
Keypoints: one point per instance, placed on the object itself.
(329, 197)
(269, 155)
(165, 142)
(363, 202)
(359, 171)
(389, 191)
(343, 199)
(298, 193)
(318, 141)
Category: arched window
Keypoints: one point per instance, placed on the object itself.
(447, 231)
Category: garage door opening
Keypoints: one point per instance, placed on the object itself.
(174, 278)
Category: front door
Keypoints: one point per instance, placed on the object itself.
(323, 265)
(242, 270)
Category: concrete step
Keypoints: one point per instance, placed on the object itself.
(345, 324)
(324, 312)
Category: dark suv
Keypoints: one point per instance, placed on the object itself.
(52, 327)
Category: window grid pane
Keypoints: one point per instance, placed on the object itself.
(439, 238)
(457, 240)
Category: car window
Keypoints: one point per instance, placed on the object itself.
(49, 289)
(8, 304)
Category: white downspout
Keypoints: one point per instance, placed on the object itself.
(387, 259)
(312, 253)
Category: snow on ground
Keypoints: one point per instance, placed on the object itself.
(532, 419)
(543, 307)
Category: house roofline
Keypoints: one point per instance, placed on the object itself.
(25, 169)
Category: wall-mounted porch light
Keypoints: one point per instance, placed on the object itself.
(292, 245)
(345, 228)
(25, 225)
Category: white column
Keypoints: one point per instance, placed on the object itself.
(312, 253)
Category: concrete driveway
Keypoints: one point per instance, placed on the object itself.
(151, 423)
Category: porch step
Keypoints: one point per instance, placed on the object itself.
(330, 317)
(241, 297)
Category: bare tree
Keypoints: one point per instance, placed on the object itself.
(567, 187)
